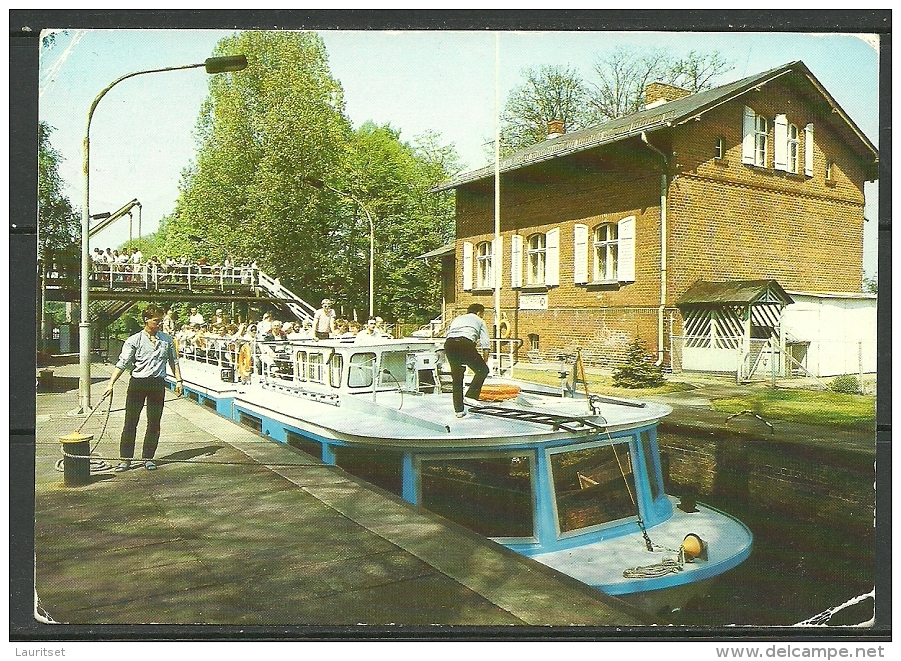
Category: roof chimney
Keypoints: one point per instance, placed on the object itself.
(657, 94)
(555, 128)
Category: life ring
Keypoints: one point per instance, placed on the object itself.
(498, 392)
(245, 361)
(504, 328)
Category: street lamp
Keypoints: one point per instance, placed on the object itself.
(211, 65)
(318, 183)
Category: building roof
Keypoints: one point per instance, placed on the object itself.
(659, 117)
(439, 252)
(734, 292)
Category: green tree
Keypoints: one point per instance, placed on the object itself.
(59, 226)
(549, 92)
(262, 132)
(391, 180)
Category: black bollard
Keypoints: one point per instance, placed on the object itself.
(76, 459)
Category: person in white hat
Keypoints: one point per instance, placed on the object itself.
(324, 320)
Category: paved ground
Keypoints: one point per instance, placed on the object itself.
(236, 529)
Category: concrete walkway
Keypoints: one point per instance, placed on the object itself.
(236, 529)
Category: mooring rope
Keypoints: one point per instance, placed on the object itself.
(579, 368)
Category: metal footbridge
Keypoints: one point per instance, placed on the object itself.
(120, 286)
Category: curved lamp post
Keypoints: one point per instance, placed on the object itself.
(212, 65)
(318, 183)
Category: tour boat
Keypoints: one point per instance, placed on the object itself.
(573, 482)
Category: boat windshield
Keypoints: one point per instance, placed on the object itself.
(593, 486)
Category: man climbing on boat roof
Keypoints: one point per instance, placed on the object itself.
(465, 336)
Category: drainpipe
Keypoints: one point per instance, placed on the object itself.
(664, 189)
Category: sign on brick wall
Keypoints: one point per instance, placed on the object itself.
(533, 301)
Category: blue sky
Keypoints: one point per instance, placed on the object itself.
(142, 131)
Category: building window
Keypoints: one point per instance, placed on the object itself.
(606, 252)
(830, 171)
(755, 132)
(720, 149)
(792, 148)
(536, 254)
(483, 266)
(761, 133)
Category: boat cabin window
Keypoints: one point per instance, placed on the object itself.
(300, 362)
(314, 368)
(490, 495)
(650, 464)
(393, 370)
(593, 486)
(360, 371)
(335, 367)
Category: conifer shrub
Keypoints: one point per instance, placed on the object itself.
(639, 370)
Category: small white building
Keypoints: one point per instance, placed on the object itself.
(831, 333)
(755, 328)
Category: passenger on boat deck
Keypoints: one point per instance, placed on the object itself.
(341, 329)
(264, 326)
(296, 333)
(169, 322)
(381, 327)
(369, 334)
(218, 318)
(324, 320)
(196, 318)
(464, 335)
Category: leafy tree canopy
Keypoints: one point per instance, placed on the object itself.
(548, 93)
(281, 177)
(59, 226)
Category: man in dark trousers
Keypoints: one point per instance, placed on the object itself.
(466, 335)
(146, 353)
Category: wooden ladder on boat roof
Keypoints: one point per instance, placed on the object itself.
(555, 420)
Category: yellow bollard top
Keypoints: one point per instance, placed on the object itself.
(76, 437)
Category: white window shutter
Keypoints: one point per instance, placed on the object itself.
(747, 136)
(497, 261)
(580, 254)
(467, 266)
(780, 142)
(808, 150)
(516, 261)
(626, 267)
(552, 258)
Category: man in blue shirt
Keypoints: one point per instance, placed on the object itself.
(464, 335)
(146, 353)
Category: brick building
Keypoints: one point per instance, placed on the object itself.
(603, 231)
